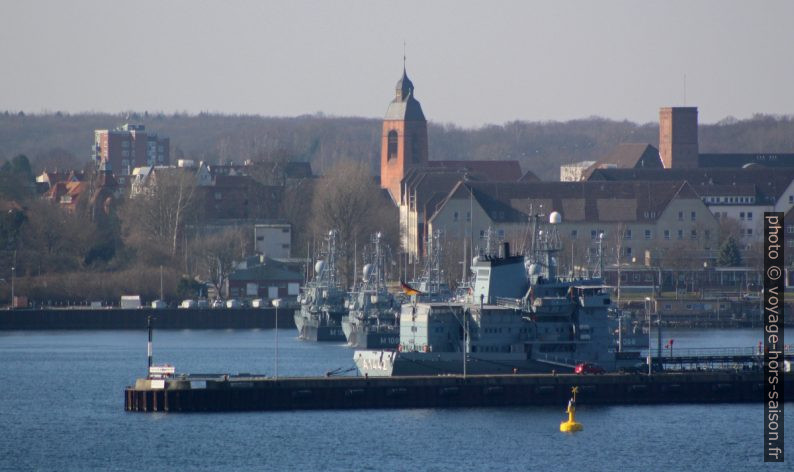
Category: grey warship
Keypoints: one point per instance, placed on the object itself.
(322, 300)
(372, 321)
(431, 286)
(520, 317)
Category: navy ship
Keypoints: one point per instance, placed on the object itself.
(430, 286)
(372, 321)
(322, 300)
(520, 317)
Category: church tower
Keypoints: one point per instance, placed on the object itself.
(404, 139)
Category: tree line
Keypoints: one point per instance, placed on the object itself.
(63, 141)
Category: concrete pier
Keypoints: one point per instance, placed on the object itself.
(246, 393)
(167, 318)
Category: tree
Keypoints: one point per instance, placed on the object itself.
(216, 254)
(155, 221)
(730, 256)
(16, 179)
(348, 200)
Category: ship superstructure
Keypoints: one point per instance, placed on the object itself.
(372, 321)
(431, 286)
(520, 317)
(322, 300)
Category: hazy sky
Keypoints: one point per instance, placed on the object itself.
(472, 62)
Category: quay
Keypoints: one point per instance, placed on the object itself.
(124, 319)
(224, 393)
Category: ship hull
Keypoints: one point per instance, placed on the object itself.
(360, 338)
(390, 363)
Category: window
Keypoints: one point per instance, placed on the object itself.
(574, 233)
(791, 198)
(667, 234)
(593, 235)
(707, 234)
(680, 216)
(628, 252)
(627, 234)
(749, 231)
(636, 277)
(455, 216)
(790, 229)
(260, 238)
(501, 234)
(392, 148)
(649, 277)
(749, 216)
(468, 216)
(741, 216)
(680, 234)
(647, 234)
(694, 215)
(694, 234)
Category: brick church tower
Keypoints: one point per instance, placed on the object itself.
(404, 139)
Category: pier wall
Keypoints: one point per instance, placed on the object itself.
(167, 318)
(450, 391)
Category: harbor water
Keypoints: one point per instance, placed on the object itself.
(61, 408)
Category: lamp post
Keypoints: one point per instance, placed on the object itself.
(648, 313)
(276, 304)
(13, 272)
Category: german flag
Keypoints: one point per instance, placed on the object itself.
(408, 290)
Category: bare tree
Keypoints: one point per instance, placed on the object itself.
(348, 200)
(156, 219)
(216, 254)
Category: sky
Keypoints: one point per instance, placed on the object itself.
(472, 63)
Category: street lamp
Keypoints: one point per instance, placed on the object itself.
(276, 304)
(648, 313)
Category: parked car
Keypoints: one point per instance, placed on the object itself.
(188, 304)
(217, 303)
(259, 303)
(587, 368)
(233, 304)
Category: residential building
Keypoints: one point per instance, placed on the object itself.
(575, 172)
(262, 277)
(129, 146)
(273, 240)
(740, 195)
(660, 219)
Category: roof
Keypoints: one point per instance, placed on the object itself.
(577, 201)
(496, 171)
(770, 183)
(404, 106)
(267, 269)
(298, 170)
(630, 156)
(769, 159)
(407, 110)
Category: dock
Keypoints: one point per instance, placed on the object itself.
(84, 318)
(224, 393)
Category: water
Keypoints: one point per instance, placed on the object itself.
(61, 408)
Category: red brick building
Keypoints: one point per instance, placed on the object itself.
(128, 147)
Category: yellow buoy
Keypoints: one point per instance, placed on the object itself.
(571, 425)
